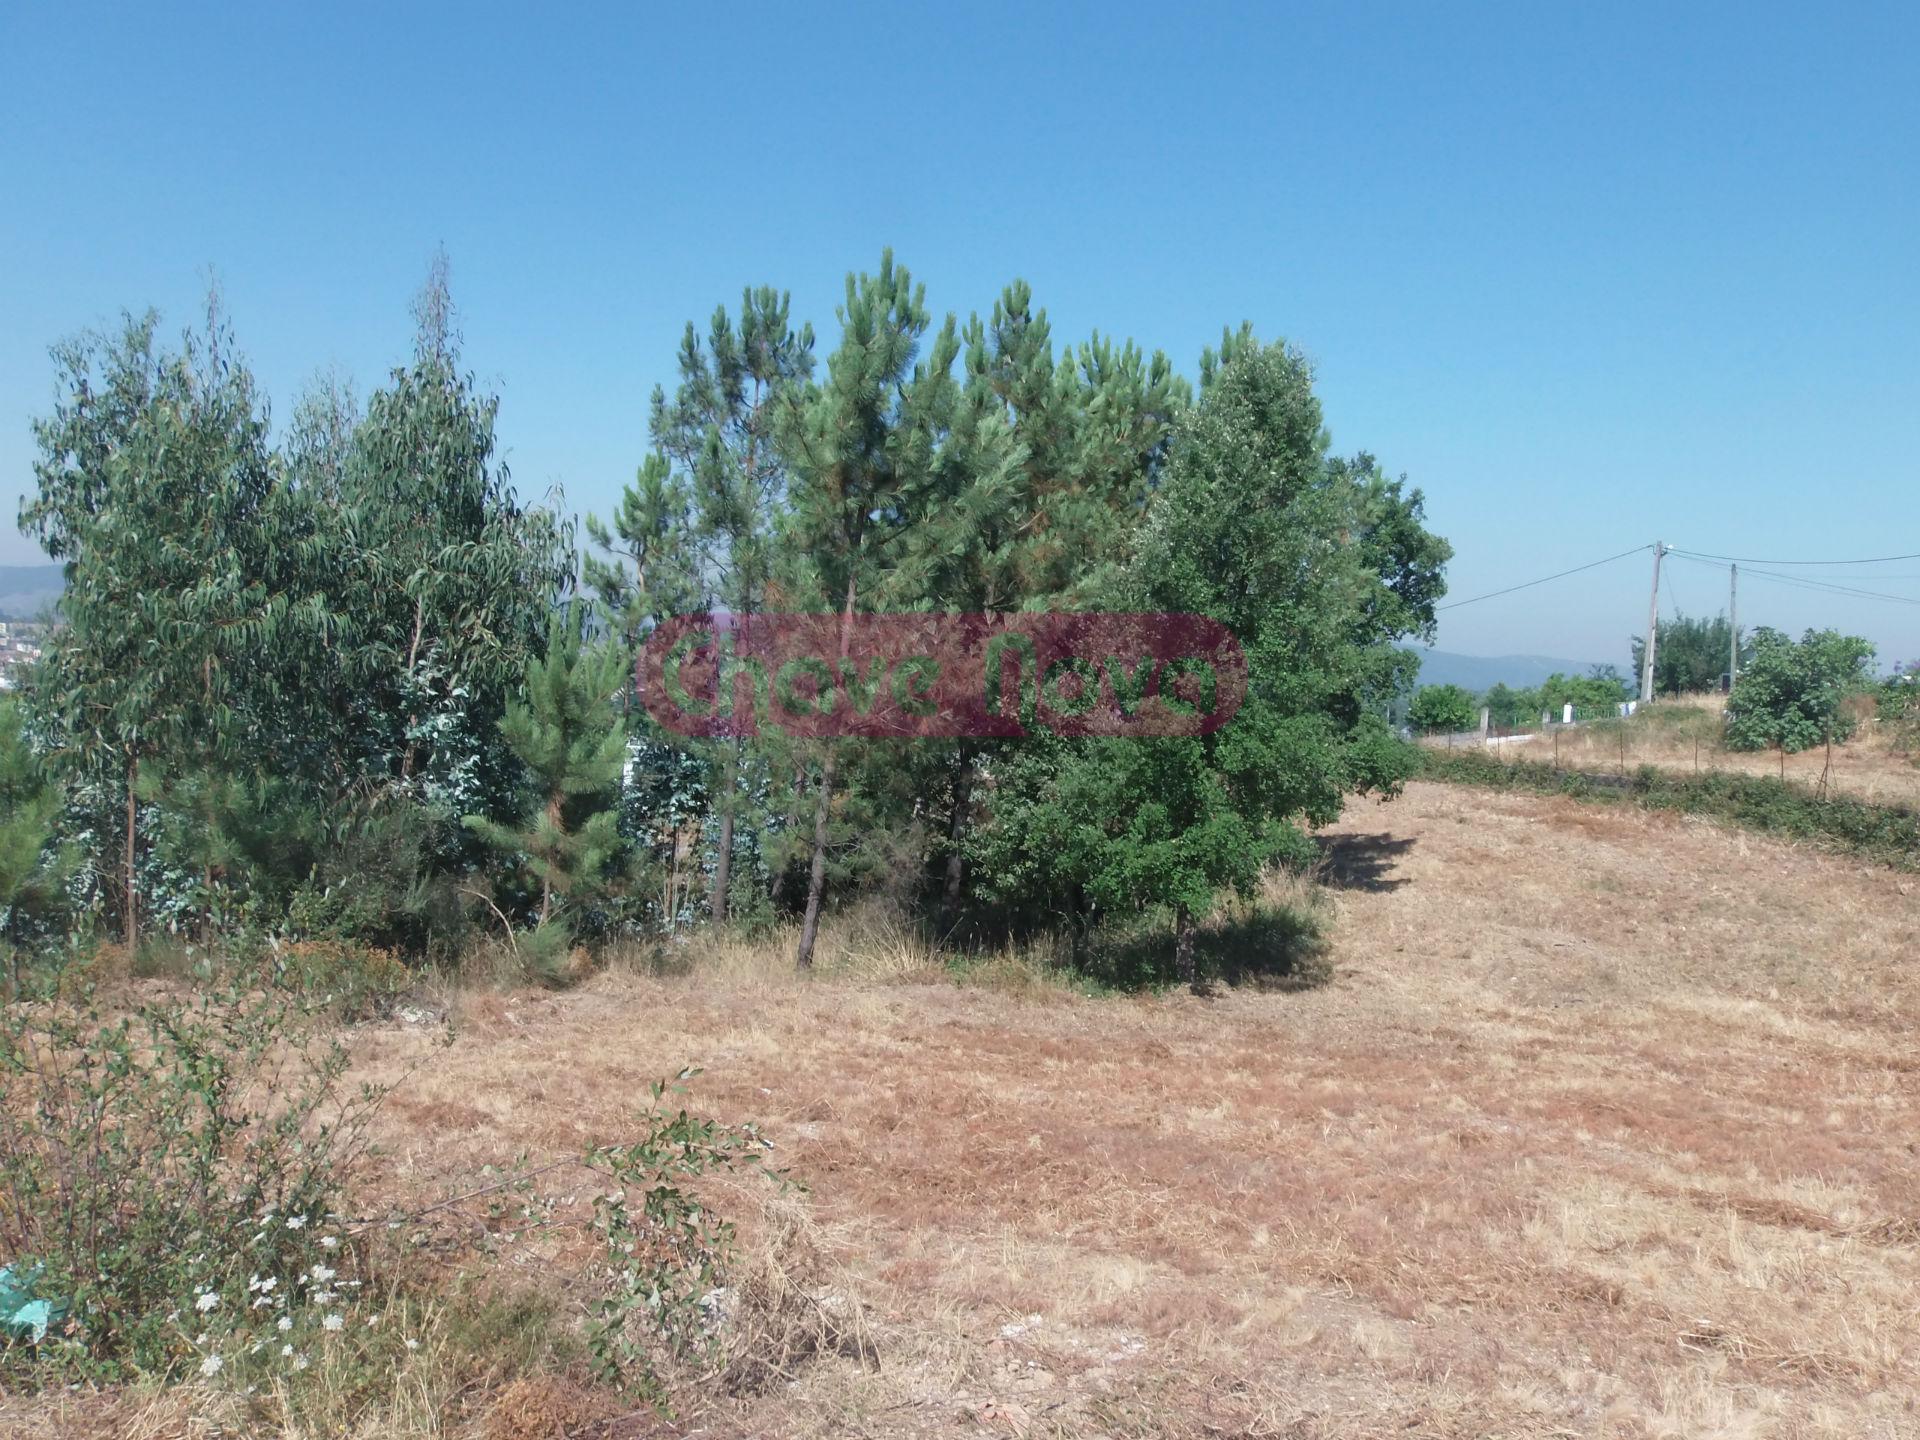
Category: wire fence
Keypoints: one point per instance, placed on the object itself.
(1689, 736)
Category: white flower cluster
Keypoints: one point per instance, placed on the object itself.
(306, 1309)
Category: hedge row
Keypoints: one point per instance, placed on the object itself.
(1889, 834)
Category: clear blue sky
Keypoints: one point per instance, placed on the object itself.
(1590, 275)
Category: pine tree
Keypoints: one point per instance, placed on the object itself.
(1318, 572)
(567, 734)
(849, 449)
(720, 427)
(1041, 466)
(33, 866)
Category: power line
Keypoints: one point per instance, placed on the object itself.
(1529, 584)
(1803, 583)
(1808, 582)
(1752, 560)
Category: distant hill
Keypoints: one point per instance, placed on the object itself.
(1483, 672)
(26, 591)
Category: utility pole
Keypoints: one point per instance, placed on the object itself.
(1733, 624)
(1653, 627)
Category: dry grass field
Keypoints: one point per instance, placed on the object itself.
(1683, 734)
(1599, 1123)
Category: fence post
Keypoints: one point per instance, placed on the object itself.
(1484, 714)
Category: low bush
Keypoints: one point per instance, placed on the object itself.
(353, 981)
(1444, 708)
(667, 1254)
(169, 1179)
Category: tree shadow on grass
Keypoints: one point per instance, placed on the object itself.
(1260, 946)
(1361, 862)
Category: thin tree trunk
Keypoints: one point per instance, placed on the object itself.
(676, 888)
(1183, 962)
(817, 873)
(413, 656)
(779, 892)
(957, 825)
(546, 879)
(723, 862)
(133, 840)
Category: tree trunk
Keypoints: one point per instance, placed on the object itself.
(779, 892)
(1183, 963)
(133, 840)
(723, 861)
(817, 873)
(546, 878)
(413, 656)
(957, 826)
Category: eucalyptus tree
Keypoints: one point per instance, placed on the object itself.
(156, 490)
(442, 580)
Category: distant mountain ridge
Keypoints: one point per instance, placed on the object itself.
(1483, 672)
(28, 591)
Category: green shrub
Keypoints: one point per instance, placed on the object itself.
(1442, 708)
(1897, 705)
(667, 1253)
(171, 1175)
(1792, 694)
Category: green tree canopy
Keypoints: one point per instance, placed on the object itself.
(567, 734)
(1789, 693)
(1252, 525)
(1449, 708)
(1690, 656)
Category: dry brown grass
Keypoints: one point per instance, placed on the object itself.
(1603, 1126)
(1683, 733)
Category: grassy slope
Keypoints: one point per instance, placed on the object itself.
(1602, 1126)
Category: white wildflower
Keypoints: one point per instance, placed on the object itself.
(206, 1302)
(286, 1349)
(296, 1222)
(332, 1322)
(413, 1344)
(211, 1366)
(329, 1242)
(321, 1274)
(284, 1323)
(299, 1362)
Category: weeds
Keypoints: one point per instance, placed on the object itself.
(171, 1174)
(666, 1252)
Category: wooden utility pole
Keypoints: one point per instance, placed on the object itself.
(1653, 627)
(1733, 624)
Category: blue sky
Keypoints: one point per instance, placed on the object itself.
(1590, 276)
